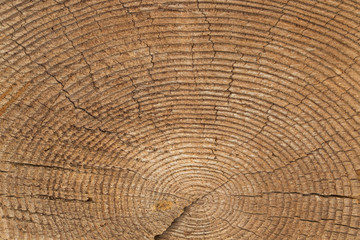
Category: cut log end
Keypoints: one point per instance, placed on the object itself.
(179, 119)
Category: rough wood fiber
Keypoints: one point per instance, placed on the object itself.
(182, 119)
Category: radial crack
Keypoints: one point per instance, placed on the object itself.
(66, 93)
(187, 209)
(209, 29)
(175, 221)
(76, 49)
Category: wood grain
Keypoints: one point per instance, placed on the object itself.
(184, 119)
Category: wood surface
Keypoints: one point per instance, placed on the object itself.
(179, 119)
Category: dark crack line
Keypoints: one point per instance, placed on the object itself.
(187, 208)
(312, 152)
(75, 48)
(66, 93)
(151, 61)
(176, 220)
(238, 227)
(48, 197)
(209, 29)
(135, 99)
(270, 31)
(261, 129)
(297, 193)
(231, 82)
(151, 55)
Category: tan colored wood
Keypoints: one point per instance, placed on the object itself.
(161, 119)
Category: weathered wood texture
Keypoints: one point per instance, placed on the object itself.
(181, 119)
